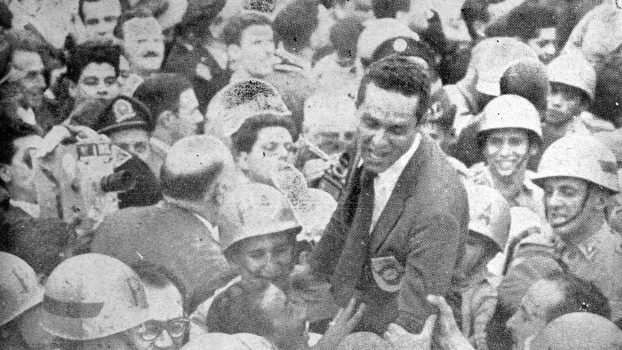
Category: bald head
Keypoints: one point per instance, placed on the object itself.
(192, 166)
(579, 331)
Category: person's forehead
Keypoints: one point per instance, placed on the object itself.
(101, 8)
(393, 105)
(508, 133)
(97, 70)
(262, 30)
(264, 242)
(547, 33)
(165, 303)
(273, 134)
(188, 97)
(562, 181)
(147, 27)
(129, 135)
(28, 60)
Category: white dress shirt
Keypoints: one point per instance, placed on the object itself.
(385, 181)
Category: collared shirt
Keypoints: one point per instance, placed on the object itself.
(529, 195)
(598, 259)
(30, 208)
(385, 181)
(211, 229)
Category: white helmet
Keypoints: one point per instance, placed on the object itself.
(253, 210)
(92, 296)
(578, 331)
(582, 157)
(489, 213)
(511, 111)
(19, 287)
(574, 70)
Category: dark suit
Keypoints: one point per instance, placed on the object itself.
(166, 235)
(423, 226)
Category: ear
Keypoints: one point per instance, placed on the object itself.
(5, 173)
(234, 52)
(166, 119)
(601, 199)
(242, 161)
(533, 150)
(72, 88)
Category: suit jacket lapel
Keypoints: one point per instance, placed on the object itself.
(397, 201)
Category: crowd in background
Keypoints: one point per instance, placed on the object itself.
(310, 174)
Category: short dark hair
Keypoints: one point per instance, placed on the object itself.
(245, 137)
(12, 129)
(91, 52)
(579, 296)
(159, 276)
(344, 35)
(190, 187)
(526, 20)
(236, 25)
(160, 92)
(398, 74)
(296, 22)
(238, 310)
(389, 8)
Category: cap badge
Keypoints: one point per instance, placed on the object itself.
(123, 110)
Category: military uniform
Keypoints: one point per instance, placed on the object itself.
(529, 195)
(597, 259)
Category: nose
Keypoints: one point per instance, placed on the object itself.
(553, 200)
(164, 340)
(555, 99)
(379, 137)
(550, 49)
(511, 323)
(40, 82)
(505, 149)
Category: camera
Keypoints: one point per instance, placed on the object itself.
(79, 181)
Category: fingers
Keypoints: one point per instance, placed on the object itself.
(441, 304)
(428, 327)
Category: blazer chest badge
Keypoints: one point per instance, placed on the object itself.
(387, 272)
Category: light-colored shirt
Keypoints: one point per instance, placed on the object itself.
(385, 181)
(30, 208)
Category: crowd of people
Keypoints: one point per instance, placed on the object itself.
(310, 174)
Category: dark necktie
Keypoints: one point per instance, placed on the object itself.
(355, 255)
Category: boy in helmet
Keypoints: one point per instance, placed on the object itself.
(474, 297)
(509, 135)
(258, 231)
(579, 178)
(573, 83)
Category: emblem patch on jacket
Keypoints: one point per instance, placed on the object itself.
(387, 272)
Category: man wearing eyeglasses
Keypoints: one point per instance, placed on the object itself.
(167, 324)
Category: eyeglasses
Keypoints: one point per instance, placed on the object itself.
(152, 329)
(134, 147)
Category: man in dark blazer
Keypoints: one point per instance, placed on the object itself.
(178, 232)
(399, 230)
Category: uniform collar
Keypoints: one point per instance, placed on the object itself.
(588, 246)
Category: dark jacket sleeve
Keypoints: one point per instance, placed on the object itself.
(434, 249)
